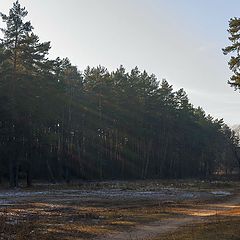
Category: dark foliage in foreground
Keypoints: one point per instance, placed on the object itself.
(58, 123)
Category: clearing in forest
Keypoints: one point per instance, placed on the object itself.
(122, 210)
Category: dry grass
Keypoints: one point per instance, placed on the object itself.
(220, 228)
(67, 219)
(218, 221)
(141, 185)
(74, 221)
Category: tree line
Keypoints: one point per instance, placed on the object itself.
(58, 123)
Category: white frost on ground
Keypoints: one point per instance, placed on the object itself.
(20, 193)
(221, 193)
(172, 194)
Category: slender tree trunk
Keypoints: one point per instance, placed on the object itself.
(237, 156)
(28, 170)
(13, 169)
(50, 172)
(11, 173)
(29, 178)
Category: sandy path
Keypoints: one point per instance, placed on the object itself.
(154, 229)
(194, 216)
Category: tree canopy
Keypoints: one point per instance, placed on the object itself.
(59, 123)
(234, 49)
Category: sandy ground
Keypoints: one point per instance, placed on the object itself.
(112, 211)
(166, 194)
(190, 217)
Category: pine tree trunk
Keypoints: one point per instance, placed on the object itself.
(11, 173)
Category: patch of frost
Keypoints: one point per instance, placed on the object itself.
(221, 193)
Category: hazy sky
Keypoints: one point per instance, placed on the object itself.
(180, 40)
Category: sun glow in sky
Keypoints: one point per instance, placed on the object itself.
(177, 40)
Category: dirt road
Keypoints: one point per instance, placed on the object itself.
(114, 211)
(189, 216)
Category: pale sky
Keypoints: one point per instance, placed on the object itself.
(180, 40)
